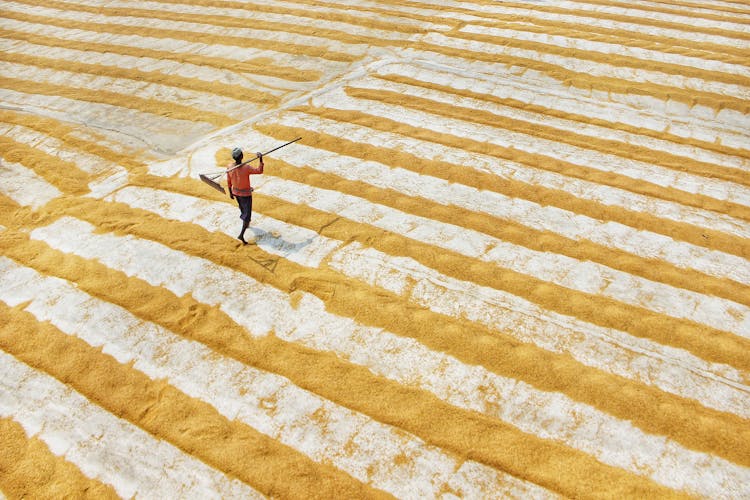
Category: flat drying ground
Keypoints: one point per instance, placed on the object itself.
(509, 256)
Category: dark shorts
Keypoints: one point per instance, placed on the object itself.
(246, 207)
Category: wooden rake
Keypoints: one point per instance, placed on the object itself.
(210, 178)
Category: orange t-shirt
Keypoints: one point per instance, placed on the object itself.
(238, 179)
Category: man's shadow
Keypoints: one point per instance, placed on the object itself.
(282, 247)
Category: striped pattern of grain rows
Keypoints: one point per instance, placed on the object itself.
(467, 276)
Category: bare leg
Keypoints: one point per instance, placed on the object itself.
(241, 237)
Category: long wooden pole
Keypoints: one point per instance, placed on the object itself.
(264, 154)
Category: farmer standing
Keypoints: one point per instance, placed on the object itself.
(238, 181)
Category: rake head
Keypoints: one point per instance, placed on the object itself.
(212, 183)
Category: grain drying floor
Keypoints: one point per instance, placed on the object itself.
(509, 257)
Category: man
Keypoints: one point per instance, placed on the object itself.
(238, 181)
